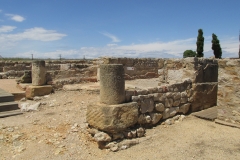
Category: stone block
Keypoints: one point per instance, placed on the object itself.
(184, 108)
(166, 113)
(163, 97)
(159, 107)
(128, 94)
(168, 102)
(206, 71)
(176, 96)
(152, 90)
(156, 117)
(112, 118)
(146, 104)
(204, 96)
(176, 103)
(144, 119)
(156, 96)
(33, 91)
(173, 111)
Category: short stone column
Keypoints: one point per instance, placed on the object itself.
(112, 84)
(38, 73)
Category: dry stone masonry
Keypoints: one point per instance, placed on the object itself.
(185, 86)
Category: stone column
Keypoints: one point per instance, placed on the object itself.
(38, 73)
(112, 84)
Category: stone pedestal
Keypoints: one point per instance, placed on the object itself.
(112, 84)
(112, 118)
(38, 73)
(33, 91)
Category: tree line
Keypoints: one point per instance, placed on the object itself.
(217, 50)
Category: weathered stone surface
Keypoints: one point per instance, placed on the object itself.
(168, 102)
(207, 70)
(184, 108)
(176, 96)
(33, 91)
(112, 84)
(140, 132)
(38, 73)
(102, 137)
(129, 93)
(156, 96)
(183, 94)
(169, 94)
(166, 113)
(117, 136)
(147, 104)
(159, 107)
(142, 92)
(189, 92)
(156, 117)
(184, 100)
(26, 78)
(173, 111)
(204, 96)
(65, 67)
(144, 119)
(135, 98)
(176, 103)
(112, 118)
(152, 90)
(162, 97)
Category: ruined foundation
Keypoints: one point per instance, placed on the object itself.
(185, 86)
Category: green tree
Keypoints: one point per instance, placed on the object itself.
(217, 50)
(200, 43)
(189, 53)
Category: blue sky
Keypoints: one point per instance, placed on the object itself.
(117, 28)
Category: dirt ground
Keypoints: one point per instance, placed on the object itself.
(58, 131)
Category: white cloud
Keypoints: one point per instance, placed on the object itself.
(172, 49)
(111, 36)
(111, 44)
(0, 10)
(36, 33)
(15, 17)
(7, 28)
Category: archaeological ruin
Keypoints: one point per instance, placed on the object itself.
(124, 111)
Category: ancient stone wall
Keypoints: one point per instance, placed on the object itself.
(229, 83)
(174, 97)
(162, 102)
(136, 68)
(58, 71)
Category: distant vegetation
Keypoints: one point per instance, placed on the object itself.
(189, 53)
(217, 50)
(200, 43)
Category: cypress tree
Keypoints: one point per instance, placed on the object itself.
(200, 43)
(217, 50)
